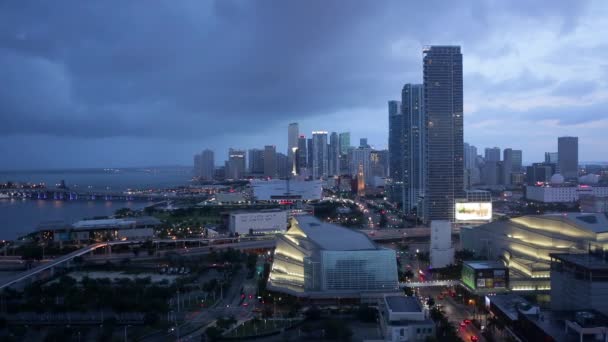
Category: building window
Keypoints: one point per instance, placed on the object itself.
(401, 332)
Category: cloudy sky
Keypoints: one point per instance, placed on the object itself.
(138, 83)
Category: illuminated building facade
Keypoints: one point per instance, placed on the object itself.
(524, 243)
(321, 260)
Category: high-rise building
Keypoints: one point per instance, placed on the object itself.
(309, 157)
(361, 157)
(395, 150)
(507, 166)
(198, 165)
(283, 166)
(207, 165)
(256, 162)
(320, 167)
(379, 163)
(412, 108)
(517, 163)
(302, 154)
(443, 101)
(235, 168)
(270, 161)
(470, 156)
(363, 143)
(344, 142)
(293, 132)
(567, 156)
(492, 154)
(334, 154)
(551, 157)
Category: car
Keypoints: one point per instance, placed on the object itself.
(467, 321)
(245, 304)
(474, 338)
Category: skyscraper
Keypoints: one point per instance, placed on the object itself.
(379, 163)
(292, 141)
(309, 158)
(302, 154)
(363, 143)
(443, 101)
(319, 155)
(567, 156)
(507, 166)
(236, 164)
(492, 154)
(396, 141)
(344, 142)
(551, 157)
(361, 160)
(517, 161)
(283, 168)
(334, 154)
(270, 161)
(256, 161)
(412, 108)
(207, 165)
(198, 165)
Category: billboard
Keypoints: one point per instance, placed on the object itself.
(473, 211)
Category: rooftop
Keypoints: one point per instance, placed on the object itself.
(331, 236)
(402, 304)
(116, 222)
(508, 304)
(586, 260)
(594, 222)
(482, 265)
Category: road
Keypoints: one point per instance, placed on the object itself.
(455, 312)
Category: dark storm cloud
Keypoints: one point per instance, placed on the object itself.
(191, 70)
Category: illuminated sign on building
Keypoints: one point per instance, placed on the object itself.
(473, 211)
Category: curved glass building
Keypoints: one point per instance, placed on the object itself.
(318, 259)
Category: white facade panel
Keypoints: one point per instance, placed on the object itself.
(258, 223)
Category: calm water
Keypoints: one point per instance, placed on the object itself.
(18, 217)
(100, 179)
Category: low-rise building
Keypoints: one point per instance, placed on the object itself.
(403, 319)
(524, 244)
(315, 259)
(287, 190)
(593, 204)
(563, 193)
(271, 221)
(579, 282)
(485, 276)
(131, 228)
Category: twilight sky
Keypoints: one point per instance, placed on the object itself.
(138, 83)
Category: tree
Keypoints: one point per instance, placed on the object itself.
(366, 314)
(337, 330)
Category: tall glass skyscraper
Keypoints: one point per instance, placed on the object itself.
(320, 167)
(443, 101)
(412, 108)
(344, 140)
(567, 156)
(334, 154)
(395, 150)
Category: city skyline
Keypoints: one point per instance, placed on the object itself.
(144, 105)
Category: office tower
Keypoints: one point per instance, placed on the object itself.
(567, 156)
(442, 74)
(283, 168)
(412, 108)
(379, 163)
(361, 157)
(551, 157)
(507, 166)
(361, 180)
(492, 154)
(302, 154)
(207, 165)
(395, 150)
(309, 157)
(540, 172)
(198, 165)
(334, 154)
(270, 161)
(363, 143)
(235, 168)
(517, 160)
(344, 142)
(492, 173)
(470, 156)
(320, 169)
(292, 141)
(256, 162)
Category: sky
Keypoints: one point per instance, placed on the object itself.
(141, 83)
